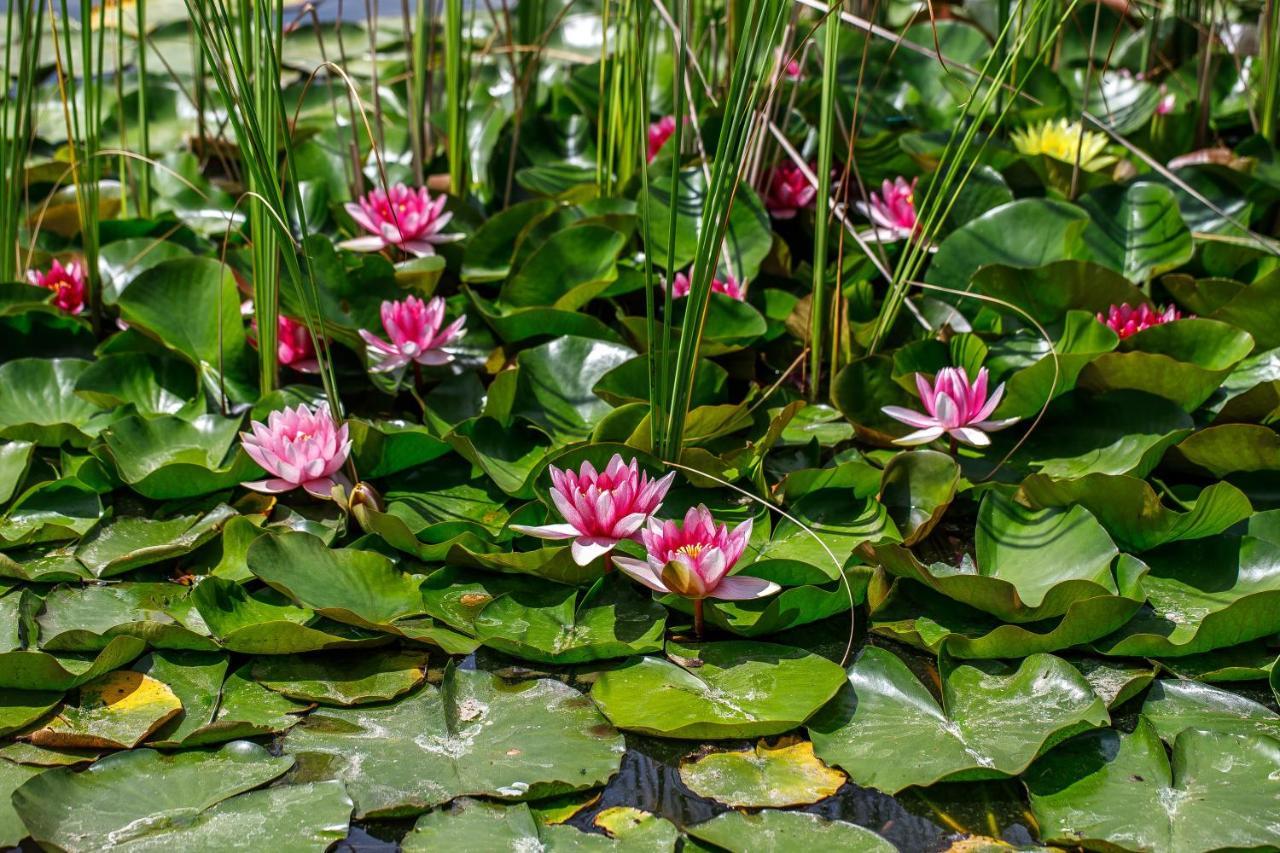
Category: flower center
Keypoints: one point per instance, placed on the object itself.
(693, 550)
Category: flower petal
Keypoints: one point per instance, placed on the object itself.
(587, 548)
(641, 571)
(547, 531)
(743, 587)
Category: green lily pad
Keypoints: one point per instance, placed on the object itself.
(916, 489)
(167, 457)
(747, 241)
(1253, 661)
(1172, 707)
(806, 596)
(476, 824)
(1132, 512)
(265, 622)
(153, 385)
(993, 720)
(115, 711)
(245, 709)
(44, 564)
(1228, 449)
(835, 516)
(1115, 681)
(514, 325)
(1030, 564)
(547, 622)
(788, 774)
(191, 305)
(27, 669)
(508, 455)
(1202, 595)
(86, 618)
(1121, 433)
(733, 689)
(353, 678)
(556, 382)
(12, 777)
(1183, 362)
(386, 447)
(122, 543)
(129, 796)
(1137, 229)
(38, 403)
(15, 459)
(1050, 292)
(567, 270)
(359, 588)
(21, 708)
(772, 831)
(52, 511)
(913, 613)
(1106, 789)
(475, 734)
(196, 679)
(21, 752)
(289, 818)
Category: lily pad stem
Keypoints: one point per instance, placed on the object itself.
(697, 618)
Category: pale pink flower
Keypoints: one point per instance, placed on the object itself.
(729, 286)
(892, 210)
(955, 406)
(600, 509)
(406, 218)
(789, 191)
(659, 132)
(298, 447)
(1167, 101)
(414, 329)
(66, 282)
(694, 561)
(1125, 320)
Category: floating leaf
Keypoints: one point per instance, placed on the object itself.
(1030, 564)
(360, 588)
(153, 385)
(168, 457)
(129, 796)
(38, 403)
(1202, 595)
(556, 382)
(773, 831)
(746, 242)
(732, 689)
(1132, 512)
(1136, 230)
(12, 777)
(568, 270)
(1050, 292)
(475, 824)
(119, 544)
(86, 618)
(245, 709)
(117, 711)
(353, 678)
(33, 670)
(547, 622)
(1228, 449)
(1115, 682)
(15, 458)
(916, 489)
(1106, 789)
(196, 679)
(20, 708)
(52, 511)
(476, 734)
(385, 447)
(806, 596)
(1172, 707)
(265, 622)
(788, 774)
(993, 722)
(1244, 662)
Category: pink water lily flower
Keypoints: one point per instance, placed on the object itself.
(298, 447)
(66, 282)
(600, 509)
(406, 218)
(293, 346)
(955, 407)
(892, 210)
(789, 191)
(659, 132)
(693, 560)
(416, 337)
(1125, 320)
(729, 286)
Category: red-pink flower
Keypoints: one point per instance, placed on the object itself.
(1167, 101)
(955, 407)
(1125, 320)
(600, 509)
(66, 282)
(892, 210)
(792, 69)
(414, 329)
(789, 191)
(406, 218)
(694, 560)
(294, 347)
(298, 447)
(659, 132)
(729, 286)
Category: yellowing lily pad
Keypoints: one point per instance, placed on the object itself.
(788, 774)
(116, 711)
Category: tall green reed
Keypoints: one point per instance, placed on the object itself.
(623, 106)
(82, 92)
(1269, 72)
(457, 65)
(762, 24)
(818, 309)
(232, 45)
(24, 23)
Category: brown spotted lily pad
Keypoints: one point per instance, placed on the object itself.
(116, 711)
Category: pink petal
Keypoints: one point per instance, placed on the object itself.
(970, 436)
(364, 244)
(641, 571)
(743, 587)
(271, 486)
(907, 416)
(547, 531)
(923, 436)
(587, 548)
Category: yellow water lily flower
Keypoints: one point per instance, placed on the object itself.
(1064, 140)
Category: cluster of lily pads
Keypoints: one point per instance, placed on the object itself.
(1034, 537)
